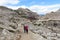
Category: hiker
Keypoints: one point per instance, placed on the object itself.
(25, 29)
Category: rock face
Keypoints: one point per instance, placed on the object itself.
(11, 22)
(28, 13)
(8, 24)
(49, 26)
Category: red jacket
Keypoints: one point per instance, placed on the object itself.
(26, 27)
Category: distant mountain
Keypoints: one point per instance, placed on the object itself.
(52, 15)
(5, 8)
(28, 13)
(42, 14)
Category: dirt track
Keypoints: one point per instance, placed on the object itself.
(25, 36)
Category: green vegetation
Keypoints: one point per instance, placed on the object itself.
(35, 24)
(24, 16)
(16, 11)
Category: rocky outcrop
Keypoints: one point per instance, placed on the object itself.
(48, 26)
(8, 24)
(28, 13)
(11, 22)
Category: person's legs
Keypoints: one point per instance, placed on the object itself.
(26, 31)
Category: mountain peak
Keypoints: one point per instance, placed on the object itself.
(5, 8)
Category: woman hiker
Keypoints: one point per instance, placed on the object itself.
(25, 29)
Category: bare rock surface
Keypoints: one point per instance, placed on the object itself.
(11, 25)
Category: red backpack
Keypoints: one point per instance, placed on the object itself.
(26, 27)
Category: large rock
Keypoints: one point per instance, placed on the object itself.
(8, 24)
(27, 13)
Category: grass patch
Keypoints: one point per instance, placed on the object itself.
(24, 16)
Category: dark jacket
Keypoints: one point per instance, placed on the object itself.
(26, 27)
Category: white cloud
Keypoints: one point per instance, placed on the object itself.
(39, 9)
(4, 2)
(36, 8)
(44, 9)
(16, 7)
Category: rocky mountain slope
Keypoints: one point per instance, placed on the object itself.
(11, 22)
(49, 26)
(52, 15)
(45, 28)
(26, 13)
(8, 24)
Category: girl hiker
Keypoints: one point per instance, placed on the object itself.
(25, 29)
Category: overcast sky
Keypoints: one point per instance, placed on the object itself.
(39, 6)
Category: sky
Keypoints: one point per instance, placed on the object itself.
(39, 6)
